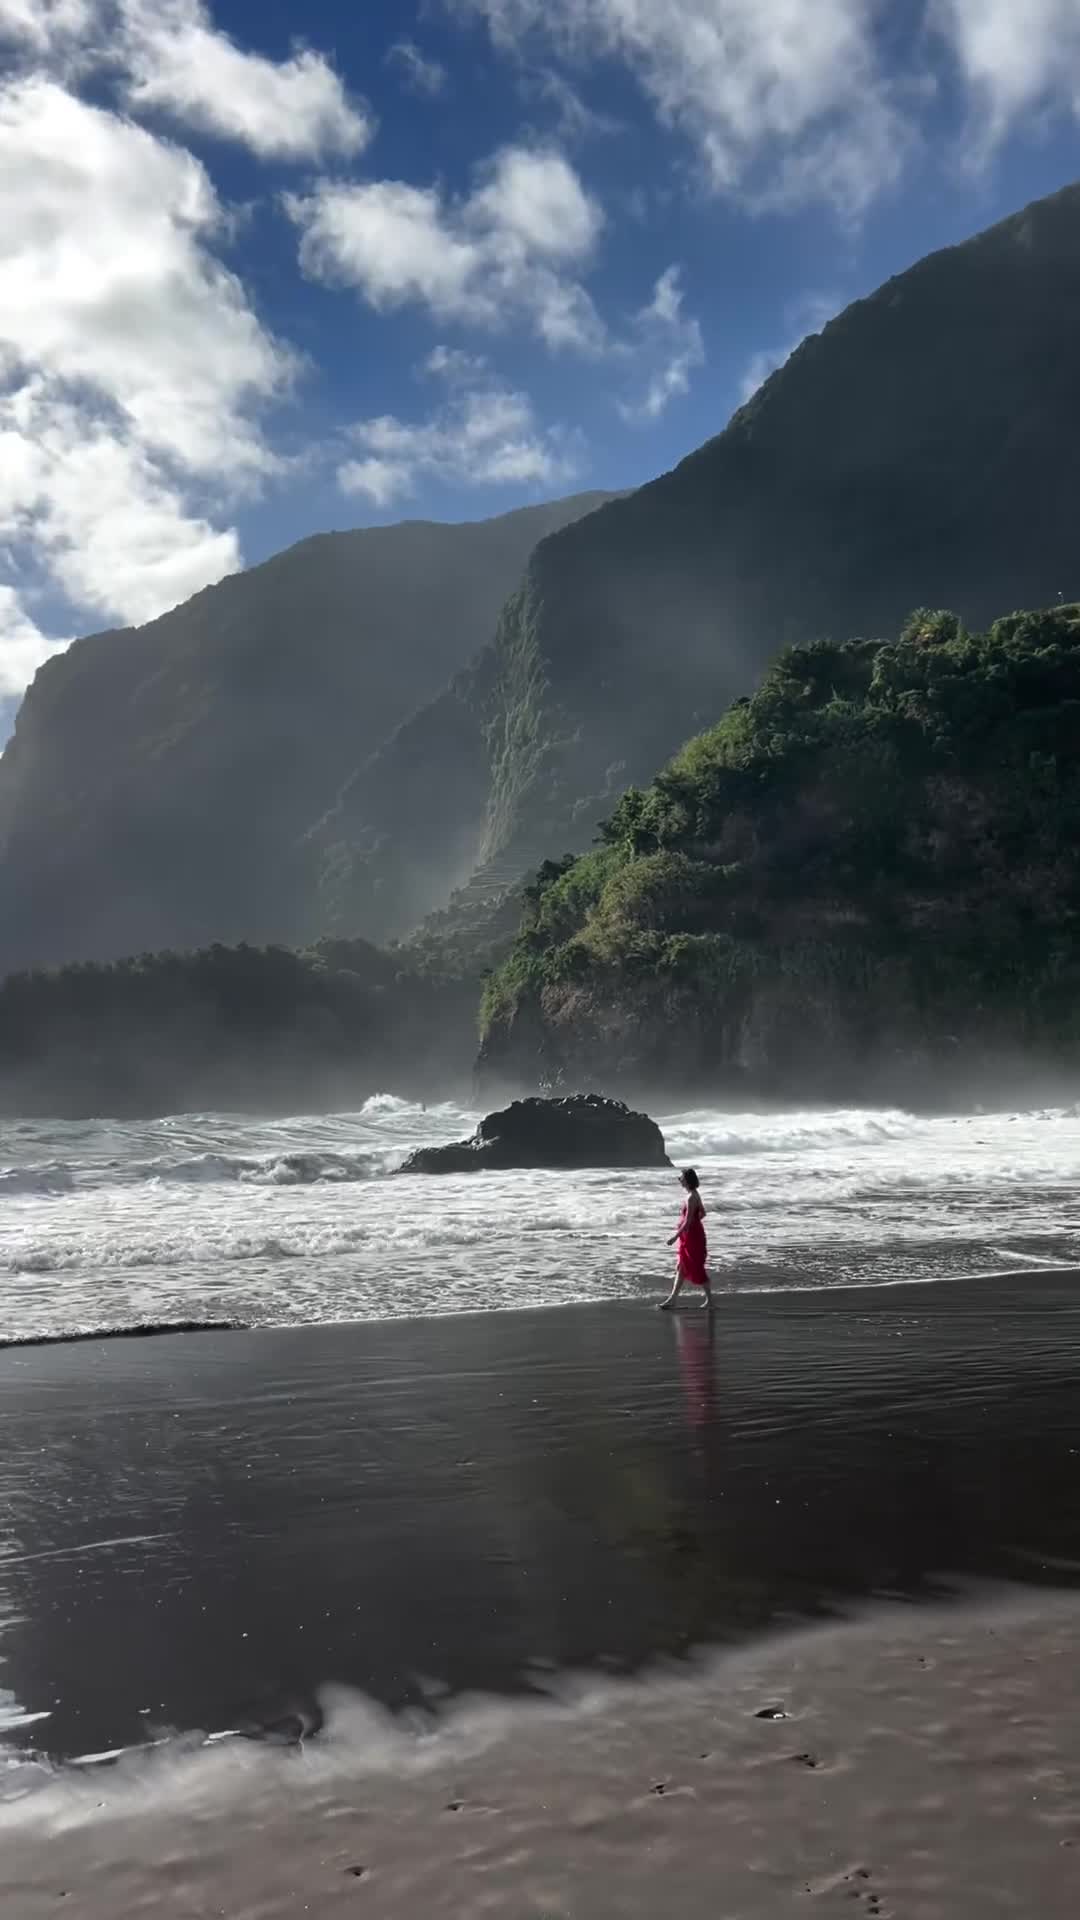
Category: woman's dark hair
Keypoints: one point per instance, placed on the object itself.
(690, 1179)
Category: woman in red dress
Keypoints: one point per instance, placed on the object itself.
(693, 1247)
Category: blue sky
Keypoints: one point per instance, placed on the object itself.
(267, 269)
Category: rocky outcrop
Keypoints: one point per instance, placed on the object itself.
(582, 1130)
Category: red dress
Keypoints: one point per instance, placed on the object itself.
(693, 1246)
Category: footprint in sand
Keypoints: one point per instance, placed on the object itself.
(864, 1892)
(813, 1762)
(853, 1883)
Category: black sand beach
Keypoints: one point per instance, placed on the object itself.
(203, 1532)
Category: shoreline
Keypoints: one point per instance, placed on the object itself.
(15, 1342)
(725, 1289)
(922, 1765)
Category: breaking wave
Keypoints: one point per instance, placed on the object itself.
(711, 1135)
(192, 1249)
(273, 1222)
(281, 1170)
(205, 1169)
(54, 1178)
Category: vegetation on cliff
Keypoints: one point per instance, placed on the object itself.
(875, 858)
(335, 742)
(862, 881)
(923, 445)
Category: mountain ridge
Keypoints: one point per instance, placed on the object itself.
(920, 446)
(861, 884)
(159, 778)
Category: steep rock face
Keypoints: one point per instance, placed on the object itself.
(580, 1131)
(921, 449)
(159, 780)
(405, 828)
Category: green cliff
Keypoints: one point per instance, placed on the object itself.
(862, 882)
(923, 446)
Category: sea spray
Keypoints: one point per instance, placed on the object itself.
(217, 1217)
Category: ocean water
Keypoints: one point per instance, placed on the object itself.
(107, 1225)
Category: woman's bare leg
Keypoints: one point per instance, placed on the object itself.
(674, 1294)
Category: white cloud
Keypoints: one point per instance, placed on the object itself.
(784, 99)
(1017, 56)
(454, 365)
(131, 365)
(421, 75)
(177, 60)
(670, 343)
(760, 365)
(383, 482)
(171, 57)
(392, 241)
(23, 646)
(106, 281)
(486, 434)
(536, 200)
(575, 119)
(88, 501)
(501, 253)
(806, 316)
(45, 24)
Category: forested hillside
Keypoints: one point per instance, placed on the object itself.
(233, 1029)
(861, 883)
(864, 880)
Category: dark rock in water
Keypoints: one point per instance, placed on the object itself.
(582, 1130)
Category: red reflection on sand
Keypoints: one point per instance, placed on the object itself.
(695, 1337)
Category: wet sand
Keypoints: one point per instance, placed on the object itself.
(927, 1767)
(276, 1531)
(203, 1532)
